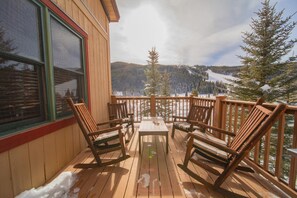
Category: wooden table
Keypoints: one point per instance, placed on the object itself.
(153, 126)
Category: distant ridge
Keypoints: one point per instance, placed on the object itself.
(129, 78)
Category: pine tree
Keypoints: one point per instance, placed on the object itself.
(163, 106)
(153, 79)
(165, 84)
(153, 76)
(287, 84)
(265, 47)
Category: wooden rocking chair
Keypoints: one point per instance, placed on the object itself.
(119, 111)
(197, 113)
(217, 151)
(99, 140)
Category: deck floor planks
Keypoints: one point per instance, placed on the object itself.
(154, 187)
(122, 180)
(174, 177)
(131, 187)
(164, 176)
(109, 179)
(90, 177)
(192, 188)
(142, 188)
(126, 169)
(257, 187)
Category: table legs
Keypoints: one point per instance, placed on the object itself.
(139, 140)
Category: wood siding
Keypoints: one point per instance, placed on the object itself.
(35, 163)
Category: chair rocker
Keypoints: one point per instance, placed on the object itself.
(217, 151)
(99, 140)
(119, 111)
(197, 113)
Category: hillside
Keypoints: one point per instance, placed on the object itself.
(129, 78)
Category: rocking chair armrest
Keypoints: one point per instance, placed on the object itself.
(214, 144)
(131, 115)
(179, 117)
(203, 125)
(112, 117)
(119, 121)
(106, 130)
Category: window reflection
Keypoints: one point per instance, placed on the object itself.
(19, 92)
(66, 47)
(21, 22)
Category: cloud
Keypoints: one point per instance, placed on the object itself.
(184, 32)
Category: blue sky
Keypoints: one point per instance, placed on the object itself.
(186, 32)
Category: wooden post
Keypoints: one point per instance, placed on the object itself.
(280, 145)
(153, 105)
(191, 101)
(113, 99)
(218, 111)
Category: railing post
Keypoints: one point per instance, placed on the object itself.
(191, 101)
(153, 105)
(218, 111)
(113, 99)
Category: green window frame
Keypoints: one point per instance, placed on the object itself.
(68, 73)
(30, 76)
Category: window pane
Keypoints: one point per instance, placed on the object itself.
(66, 47)
(67, 84)
(20, 28)
(68, 70)
(20, 98)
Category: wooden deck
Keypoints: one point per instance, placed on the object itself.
(155, 174)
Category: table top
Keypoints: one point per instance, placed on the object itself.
(152, 124)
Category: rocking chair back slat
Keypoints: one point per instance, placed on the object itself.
(120, 111)
(196, 113)
(199, 113)
(253, 121)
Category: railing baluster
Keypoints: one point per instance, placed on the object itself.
(280, 143)
(235, 118)
(242, 115)
(267, 149)
(224, 116)
(230, 121)
(256, 153)
(293, 167)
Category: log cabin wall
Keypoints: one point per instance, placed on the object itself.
(36, 162)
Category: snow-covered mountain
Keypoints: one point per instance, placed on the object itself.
(214, 77)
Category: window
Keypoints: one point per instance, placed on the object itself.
(68, 72)
(21, 64)
(26, 71)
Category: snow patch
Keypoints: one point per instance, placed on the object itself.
(214, 77)
(58, 188)
(265, 87)
(145, 180)
(190, 72)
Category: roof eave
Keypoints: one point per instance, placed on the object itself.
(111, 10)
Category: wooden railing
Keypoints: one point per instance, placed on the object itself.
(269, 157)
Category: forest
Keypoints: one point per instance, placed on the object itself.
(129, 78)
